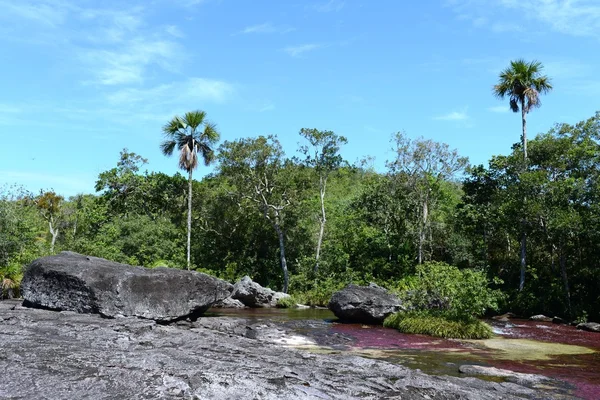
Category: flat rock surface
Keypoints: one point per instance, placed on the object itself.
(75, 282)
(64, 355)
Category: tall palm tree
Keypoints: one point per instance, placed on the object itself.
(523, 83)
(194, 136)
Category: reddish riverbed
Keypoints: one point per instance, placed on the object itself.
(440, 356)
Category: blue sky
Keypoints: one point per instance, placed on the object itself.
(82, 80)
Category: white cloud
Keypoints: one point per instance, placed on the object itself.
(499, 109)
(296, 51)
(49, 13)
(265, 28)
(329, 6)
(571, 17)
(174, 31)
(454, 116)
(267, 107)
(193, 89)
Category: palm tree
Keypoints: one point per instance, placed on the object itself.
(193, 135)
(523, 83)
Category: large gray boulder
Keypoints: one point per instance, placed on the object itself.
(75, 282)
(364, 304)
(254, 295)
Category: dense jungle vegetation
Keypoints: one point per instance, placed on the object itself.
(330, 223)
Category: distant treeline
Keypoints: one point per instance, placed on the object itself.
(332, 223)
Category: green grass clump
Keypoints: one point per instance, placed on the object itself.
(438, 325)
(287, 302)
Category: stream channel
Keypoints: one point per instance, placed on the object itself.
(554, 350)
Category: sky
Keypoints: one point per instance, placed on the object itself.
(81, 80)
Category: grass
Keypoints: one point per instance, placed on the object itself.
(287, 302)
(438, 325)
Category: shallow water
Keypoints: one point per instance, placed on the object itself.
(553, 350)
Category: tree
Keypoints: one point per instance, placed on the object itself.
(322, 154)
(422, 166)
(254, 167)
(523, 83)
(193, 135)
(49, 205)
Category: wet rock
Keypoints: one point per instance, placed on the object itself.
(364, 304)
(229, 303)
(54, 355)
(504, 317)
(74, 282)
(589, 326)
(511, 376)
(559, 320)
(540, 318)
(252, 294)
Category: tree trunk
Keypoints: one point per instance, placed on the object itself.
(54, 233)
(523, 257)
(189, 221)
(423, 225)
(282, 255)
(565, 278)
(322, 221)
(523, 234)
(524, 138)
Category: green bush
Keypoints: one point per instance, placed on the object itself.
(438, 325)
(287, 302)
(460, 294)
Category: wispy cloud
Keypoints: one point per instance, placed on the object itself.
(571, 17)
(454, 116)
(297, 51)
(195, 89)
(49, 13)
(499, 109)
(329, 6)
(267, 107)
(174, 31)
(267, 27)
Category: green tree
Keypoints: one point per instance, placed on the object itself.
(523, 84)
(421, 166)
(255, 168)
(195, 137)
(50, 207)
(322, 154)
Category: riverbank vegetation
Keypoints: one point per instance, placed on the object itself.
(379, 223)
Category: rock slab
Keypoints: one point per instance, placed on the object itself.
(74, 282)
(364, 304)
(252, 294)
(589, 326)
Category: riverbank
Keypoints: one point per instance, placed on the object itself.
(58, 355)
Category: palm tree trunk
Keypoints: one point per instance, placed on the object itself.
(524, 139)
(189, 221)
(322, 221)
(523, 221)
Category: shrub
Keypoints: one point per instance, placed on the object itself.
(438, 325)
(287, 302)
(460, 294)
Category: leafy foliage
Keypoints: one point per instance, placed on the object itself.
(438, 325)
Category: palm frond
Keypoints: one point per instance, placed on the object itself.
(194, 119)
(167, 147)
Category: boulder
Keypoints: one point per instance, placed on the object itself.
(228, 303)
(540, 318)
(589, 326)
(253, 295)
(364, 304)
(75, 282)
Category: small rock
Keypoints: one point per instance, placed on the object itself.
(253, 295)
(589, 326)
(229, 303)
(511, 376)
(540, 318)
